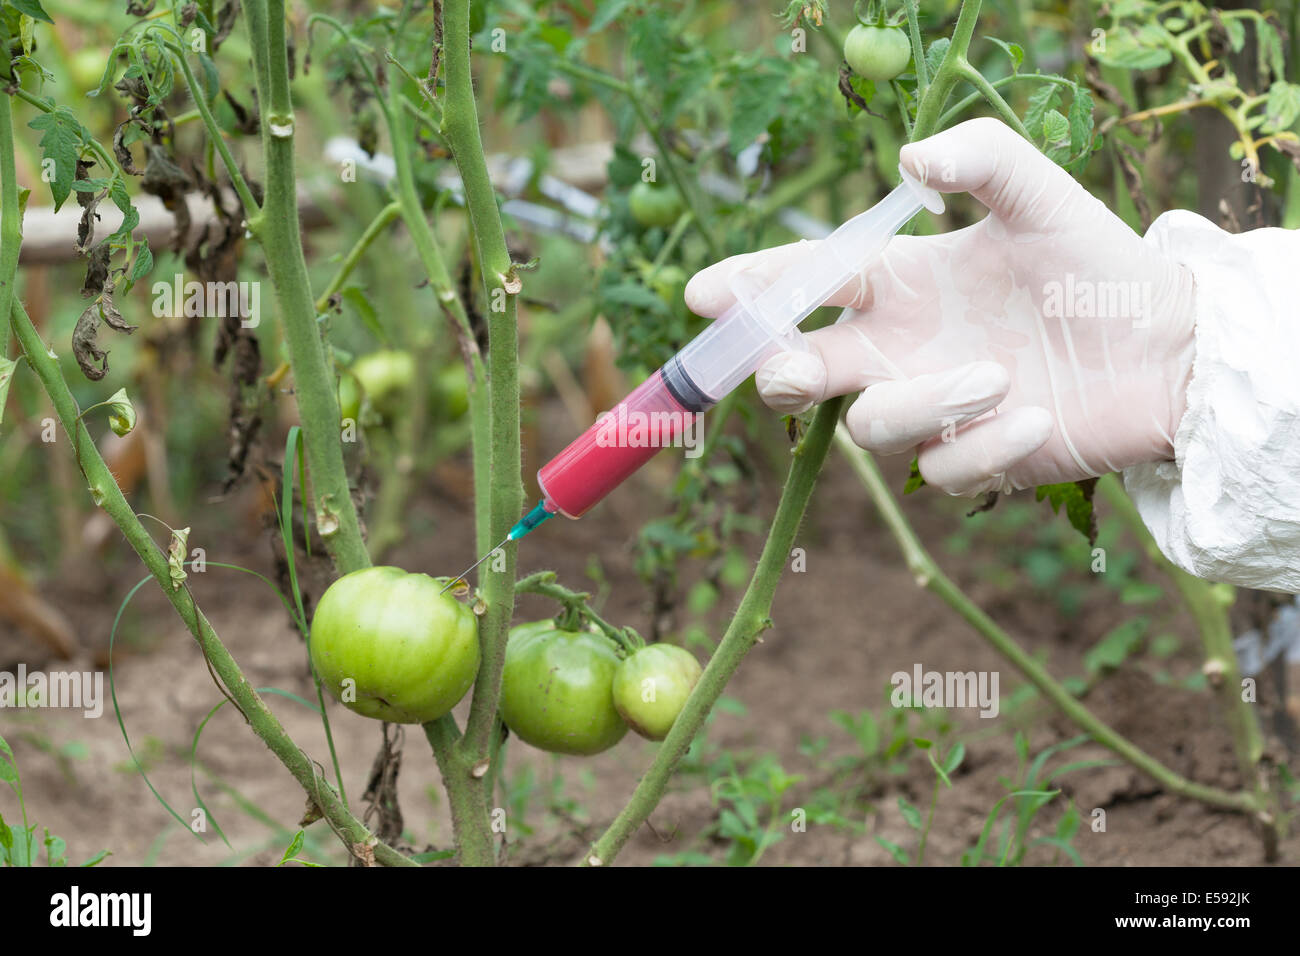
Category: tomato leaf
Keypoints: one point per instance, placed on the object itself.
(758, 102)
(1044, 98)
(1282, 107)
(143, 262)
(1077, 498)
(935, 54)
(1013, 50)
(292, 849)
(1236, 32)
(914, 479)
(652, 46)
(33, 9)
(1135, 50)
(60, 145)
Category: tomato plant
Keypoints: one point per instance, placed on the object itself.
(478, 219)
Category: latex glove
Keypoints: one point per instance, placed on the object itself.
(1006, 350)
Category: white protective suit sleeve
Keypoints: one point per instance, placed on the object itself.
(1228, 507)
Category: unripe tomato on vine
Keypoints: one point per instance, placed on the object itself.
(876, 49)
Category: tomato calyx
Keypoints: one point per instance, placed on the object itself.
(872, 13)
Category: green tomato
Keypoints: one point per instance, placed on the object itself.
(877, 53)
(389, 646)
(654, 206)
(556, 689)
(651, 688)
(350, 396)
(387, 377)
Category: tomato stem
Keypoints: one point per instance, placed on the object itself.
(278, 230)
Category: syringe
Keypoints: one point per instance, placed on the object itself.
(716, 361)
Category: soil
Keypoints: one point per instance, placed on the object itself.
(840, 628)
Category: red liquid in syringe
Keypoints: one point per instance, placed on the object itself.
(621, 441)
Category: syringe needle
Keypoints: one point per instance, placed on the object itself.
(539, 513)
(465, 574)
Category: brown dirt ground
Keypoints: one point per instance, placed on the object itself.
(854, 617)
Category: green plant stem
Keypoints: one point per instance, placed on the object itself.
(918, 49)
(749, 621)
(948, 72)
(276, 227)
(965, 102)
(465, 784)
(986, 89)
(411, 430)
(502, 485)
(11, 225)
(544, 583)
(214, 132)
(901, 102)
(928, 575)
(373, 232)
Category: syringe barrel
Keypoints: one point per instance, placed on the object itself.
(651, 418)
(666, 408)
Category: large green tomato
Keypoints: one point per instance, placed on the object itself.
(877, 53)
(389, 646)
(651, 687)
(556, 689)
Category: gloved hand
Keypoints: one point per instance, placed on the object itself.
(1048, 342)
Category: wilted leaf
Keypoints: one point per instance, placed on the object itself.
(176, 552)
(92, 359)
(96, 271)
(121, 416)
